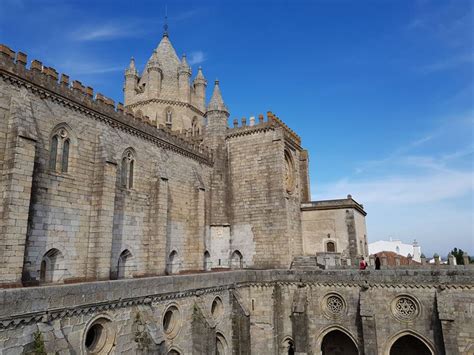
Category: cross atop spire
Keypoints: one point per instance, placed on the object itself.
(165, 26)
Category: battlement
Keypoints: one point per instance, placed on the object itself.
(46, 82)
(254, 126)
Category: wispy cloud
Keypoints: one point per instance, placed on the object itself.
(196, 57)
(429, 187)
(103, 32)
(448, 63)
(407, 176)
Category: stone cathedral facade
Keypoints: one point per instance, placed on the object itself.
(95, 191)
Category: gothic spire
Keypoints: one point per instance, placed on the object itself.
(131, 70)
(217, 103)
(200, 79)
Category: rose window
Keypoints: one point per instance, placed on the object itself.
(334, 304)
(405, 308)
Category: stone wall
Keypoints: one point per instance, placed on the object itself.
(242, 312)
(265, 193)
(81, 220)
(341, 222)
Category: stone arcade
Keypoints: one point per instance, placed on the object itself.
(94, 191)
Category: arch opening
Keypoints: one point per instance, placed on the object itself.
(337, 342)
(173, 262)
(221, 344)
(409, 345)
(123, 265)
(51, 266)
(207, 261)
(236, 260)
(288, 347)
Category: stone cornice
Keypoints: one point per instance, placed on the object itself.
(333, 205)
(167, 102)
(62, 298)
(45, 85)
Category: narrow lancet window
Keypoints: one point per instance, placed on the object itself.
(54, 153)
(65, 159)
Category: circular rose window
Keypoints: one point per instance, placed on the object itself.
(405, 308)
(333, 305)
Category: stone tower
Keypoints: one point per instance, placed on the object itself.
(163, 91)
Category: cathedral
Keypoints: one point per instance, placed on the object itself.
(161, 225)
(158, 185)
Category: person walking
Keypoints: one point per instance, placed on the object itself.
(377, 263)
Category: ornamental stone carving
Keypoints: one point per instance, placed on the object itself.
(405, 308)
(333, 305)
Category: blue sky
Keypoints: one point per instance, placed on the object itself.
(380, 91)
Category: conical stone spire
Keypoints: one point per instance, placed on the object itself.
(184, 66)
(154, 62)
(200, 79)
(131, 70)
(217, 103)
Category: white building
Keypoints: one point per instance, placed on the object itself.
(396, 246)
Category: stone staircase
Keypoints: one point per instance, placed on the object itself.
(305, 262)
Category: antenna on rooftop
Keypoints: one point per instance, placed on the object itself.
(165, 26)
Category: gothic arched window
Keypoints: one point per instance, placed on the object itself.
(128, 164)
(59, 152)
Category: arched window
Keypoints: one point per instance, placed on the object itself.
(65, 158)
(330, 247)
(236, 260)
(123, 265)
(207, 261)
(60, 151)
(53, 152)
(52, 266)
(127, 169)
(173, 262)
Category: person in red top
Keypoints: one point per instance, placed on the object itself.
(362, 264)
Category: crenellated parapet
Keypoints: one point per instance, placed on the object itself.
(47, 83)
(252, 126)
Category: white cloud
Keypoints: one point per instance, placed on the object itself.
(428, 197)
(196, 57)
(448, 63)
(104, 32)
(403, 190)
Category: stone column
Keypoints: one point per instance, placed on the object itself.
(451, 260)
(159, 251)
(201, 232)
(17, 183)
(369, 329)
(446, 315)
(102, 221)
(299, 321)
(465, 258)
